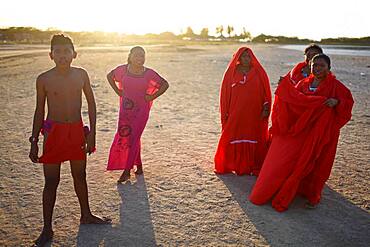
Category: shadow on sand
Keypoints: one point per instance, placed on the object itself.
(135, 227)
(335, 222)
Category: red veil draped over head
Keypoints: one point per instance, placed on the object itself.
(243, 142)
(305, 134)
(296, 73)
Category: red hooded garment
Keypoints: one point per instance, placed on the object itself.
(296, 73)
(243, 142)
(305, 136)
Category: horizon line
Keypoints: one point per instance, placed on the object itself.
(175, 33)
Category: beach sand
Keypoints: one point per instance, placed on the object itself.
(178, 201)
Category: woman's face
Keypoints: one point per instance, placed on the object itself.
(319, 68)
(310, 54)
(245, 58)
(137, 57)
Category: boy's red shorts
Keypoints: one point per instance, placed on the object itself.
(64, 141)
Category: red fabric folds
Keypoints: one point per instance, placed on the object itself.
(305, 136)
(296, 73)
(243, 142)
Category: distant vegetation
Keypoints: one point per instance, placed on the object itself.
(347, 41)
(262, 38)
(30, 35)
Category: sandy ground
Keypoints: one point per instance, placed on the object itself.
(179, 201)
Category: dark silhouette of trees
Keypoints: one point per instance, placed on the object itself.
(262, 38)
(204, 33)
(189, 32)
(246, 35)
(347, 41)
(220, 30)
(31, 35)
(229, 30)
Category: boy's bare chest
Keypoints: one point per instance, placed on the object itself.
(64, 87)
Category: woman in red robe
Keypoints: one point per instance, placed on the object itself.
(245, 101)
(306, 122)
(302, 69)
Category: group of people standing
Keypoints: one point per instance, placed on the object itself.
(294, 156)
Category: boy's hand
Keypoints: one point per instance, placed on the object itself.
(90, 143)
(34, 152)
(149, 97)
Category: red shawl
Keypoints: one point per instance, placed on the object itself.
(305, 135)
(296, 73)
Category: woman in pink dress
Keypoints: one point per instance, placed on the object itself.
(137, 86)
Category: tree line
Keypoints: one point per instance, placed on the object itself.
(31, 35)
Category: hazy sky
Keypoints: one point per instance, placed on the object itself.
(313, 19)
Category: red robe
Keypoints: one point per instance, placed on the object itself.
(305, 136)
(296, 73)
(243, 142)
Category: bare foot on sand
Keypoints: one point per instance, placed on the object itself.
(44, 238)
(95, 220)
(139, 170)
(124, 177)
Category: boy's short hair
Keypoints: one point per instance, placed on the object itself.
(323, 56)
(61, 39)
(313, 47)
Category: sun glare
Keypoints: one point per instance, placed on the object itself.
(285, 17)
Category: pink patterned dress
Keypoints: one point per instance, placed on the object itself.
(133, 116)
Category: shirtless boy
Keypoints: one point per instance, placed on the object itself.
(65, 137)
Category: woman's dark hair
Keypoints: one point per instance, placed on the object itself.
(61, 39)
(313, 47)
(132, 50)
(323, 56)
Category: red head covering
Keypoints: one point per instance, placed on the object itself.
(228, 80)
(243, 142)
(296, 73)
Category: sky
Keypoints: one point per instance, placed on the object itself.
(313, 19)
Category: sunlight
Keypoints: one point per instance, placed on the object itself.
(285, 17)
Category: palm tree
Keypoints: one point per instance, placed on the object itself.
(246, 34)
(219, 30)
(229, 30)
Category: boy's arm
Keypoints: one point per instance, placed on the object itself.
(89, 94)
(38, 118)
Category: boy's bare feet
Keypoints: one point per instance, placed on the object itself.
(139, 170)
(44, 238)
(95, 220)
(124, 177)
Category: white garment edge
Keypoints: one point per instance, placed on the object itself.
(243, 141)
